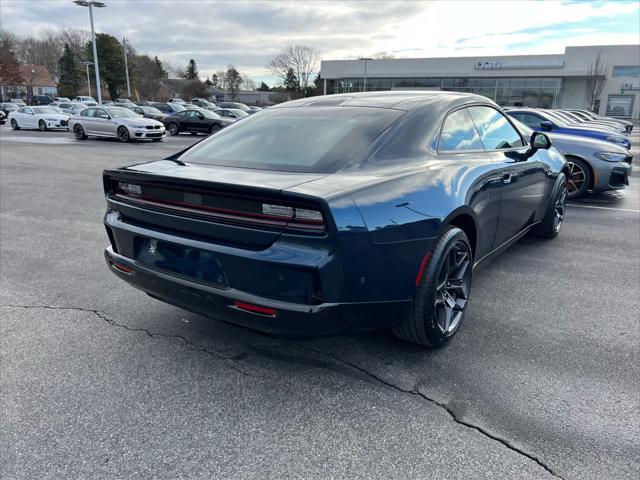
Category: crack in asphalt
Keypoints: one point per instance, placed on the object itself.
(452, 413)
(238, 357)
(232, 358)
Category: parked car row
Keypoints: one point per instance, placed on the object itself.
(597, 148)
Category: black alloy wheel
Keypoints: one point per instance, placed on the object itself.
(14, 124)
(123, 134)
(214, 128)
(560, 208)
(42, 126)
(78, 131)
(173, 129)
(578, 179)
(443, 287)
(452, 290)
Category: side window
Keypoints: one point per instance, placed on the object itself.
(191, 114)
(459, 134)
(495, 130)
(87, 112)
(100, 113)
(531, 121)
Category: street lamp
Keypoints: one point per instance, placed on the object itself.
(91, 4)
(364, 88)
(86, 64)
(126, 66)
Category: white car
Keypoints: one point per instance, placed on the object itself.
(118, 122)
(84, 99)
(44, 118)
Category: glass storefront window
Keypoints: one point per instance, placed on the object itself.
(515, 91)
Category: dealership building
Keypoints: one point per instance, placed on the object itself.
(546, 81)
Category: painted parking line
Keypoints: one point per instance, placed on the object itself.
(603, 208)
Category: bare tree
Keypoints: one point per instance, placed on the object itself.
(596, 78)
(222, 79)
(301, 58)
(248, 84)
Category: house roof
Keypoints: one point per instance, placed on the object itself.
(36, 75)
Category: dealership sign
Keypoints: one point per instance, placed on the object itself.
(629, 86)
(515, 64)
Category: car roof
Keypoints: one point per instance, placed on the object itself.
(396, 99)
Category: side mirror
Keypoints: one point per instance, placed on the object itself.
(105, 116)
(538, 141)
(546, 125)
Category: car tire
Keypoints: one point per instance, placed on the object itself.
(14, 124)
(554, 216)
(42, 125)
(442, 292)
(79, 132)
(214, 128)
(579, 178)
(173, 129)
(123, 135)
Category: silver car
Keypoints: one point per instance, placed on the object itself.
(117, 122)
(594, 165)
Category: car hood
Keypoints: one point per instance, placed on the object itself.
(57, 116)
(140, 121)
(573, 142)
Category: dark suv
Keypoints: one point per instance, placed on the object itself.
(41, 100)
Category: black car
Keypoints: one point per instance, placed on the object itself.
(3, 117)
(337, 213)
(168, 108)
(41, 100)
(194, 121)
(236, 105)
(8, 107)
(148, 112)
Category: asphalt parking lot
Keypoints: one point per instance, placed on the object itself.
(98, 380)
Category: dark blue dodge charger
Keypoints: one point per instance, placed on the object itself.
(336, 213)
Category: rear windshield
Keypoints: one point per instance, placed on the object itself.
(299, 139)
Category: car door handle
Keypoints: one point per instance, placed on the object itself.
(506, 177)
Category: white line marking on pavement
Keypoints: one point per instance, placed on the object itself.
(604, 208)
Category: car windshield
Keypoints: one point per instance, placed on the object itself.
(239, 113)
(44, 110)
(209, 114)
(10, 105)
(524, 130)
(119, 112)
(177, 107)
(301, 139)
(548, 116)
(151, 110)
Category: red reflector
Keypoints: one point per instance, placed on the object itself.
(422, 267)
(255, 308)
(122, 268)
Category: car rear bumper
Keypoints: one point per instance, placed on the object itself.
(278, 317)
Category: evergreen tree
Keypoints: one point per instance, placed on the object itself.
(191, 73)
(291, 83)
(214, 80)
(160, 72)
(263, 87)
(208, 82)
(69, 81)
(111, 63)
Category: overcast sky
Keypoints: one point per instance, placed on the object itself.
(249, 33)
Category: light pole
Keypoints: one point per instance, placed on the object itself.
(91, 4)
(364, 88)
(126, 67)
(86, 64)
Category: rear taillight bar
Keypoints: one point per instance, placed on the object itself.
(273, 216)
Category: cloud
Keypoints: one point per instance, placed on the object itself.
(249, 33)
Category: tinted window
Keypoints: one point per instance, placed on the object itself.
(87, 112)
(192, 114)
(301, 139)
(459, 133)
(530, 120)
(495, 130)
